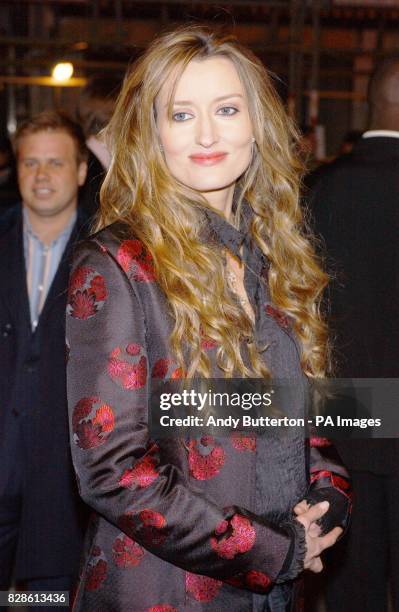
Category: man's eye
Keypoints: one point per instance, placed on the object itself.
(56, 162)
(29, 163)
(227, 110)
(181, 116)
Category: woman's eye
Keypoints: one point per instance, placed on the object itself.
(181, 116)
(227, 110)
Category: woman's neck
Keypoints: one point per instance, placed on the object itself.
(221, 200)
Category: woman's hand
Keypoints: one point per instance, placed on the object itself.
(315, 543)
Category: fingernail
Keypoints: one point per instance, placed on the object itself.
(324, 505)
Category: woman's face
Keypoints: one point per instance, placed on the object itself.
(207, 143)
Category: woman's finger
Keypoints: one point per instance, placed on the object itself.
(314, 530)
(302, 507)
(316, 565)
(313, 514)
(330, 538)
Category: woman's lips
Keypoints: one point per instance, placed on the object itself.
(208, 159)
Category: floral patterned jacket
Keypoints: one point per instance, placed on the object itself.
(201, 525)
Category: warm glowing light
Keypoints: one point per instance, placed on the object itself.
(62, 71)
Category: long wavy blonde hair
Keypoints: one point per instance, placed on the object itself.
(168, 216)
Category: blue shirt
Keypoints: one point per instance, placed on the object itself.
(41, 264)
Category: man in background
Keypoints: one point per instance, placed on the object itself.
(355, 202)
(41, 517)
(95, 108)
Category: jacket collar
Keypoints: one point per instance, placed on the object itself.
(224, 233)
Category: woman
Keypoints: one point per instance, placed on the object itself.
(203, 272)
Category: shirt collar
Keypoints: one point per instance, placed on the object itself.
(221, 231)
(381, 133)
(27, 228)
(225, 232)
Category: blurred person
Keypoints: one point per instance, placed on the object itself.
(355, 205)
(9, 194)
(199, 270)
(41, 515)
(95, 108)
(350, 139)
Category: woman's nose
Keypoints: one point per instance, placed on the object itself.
(206, 131)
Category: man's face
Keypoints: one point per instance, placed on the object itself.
(49, 174)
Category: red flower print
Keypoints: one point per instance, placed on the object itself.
(126, 552)
(257, 581)
(144, 271)
(142, 474)
(91, 427)
(147, 526)
(202, 588)
(136, 377)
(133, 349)
(128, 251)
(178, 373)
(243, 442)
(207, 344)
(117, 368)
(153, 527)
(240, 537)
(160, 368)
(152, 518)
(104, 418)
(82, 305)
(319, 442)
(86, 294)
(97, 286)
(204, 461)
(136, 261)
(78, 278)
(82, 410)
(162, 608)
(96, 571)
(222, 527)
(281, 319)
(126, 368)
(254, 580)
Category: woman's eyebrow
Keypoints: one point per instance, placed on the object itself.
(218, 99)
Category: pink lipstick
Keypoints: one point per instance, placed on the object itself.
(208, 159)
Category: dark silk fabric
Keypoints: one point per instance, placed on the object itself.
(180, 525)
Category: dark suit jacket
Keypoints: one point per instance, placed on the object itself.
(33, 421)
(355, 203)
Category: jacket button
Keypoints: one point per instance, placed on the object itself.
(6, 330)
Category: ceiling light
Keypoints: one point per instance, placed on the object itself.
(62, 71)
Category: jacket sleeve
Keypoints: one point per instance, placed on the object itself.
(121, 473)
(330, 481)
